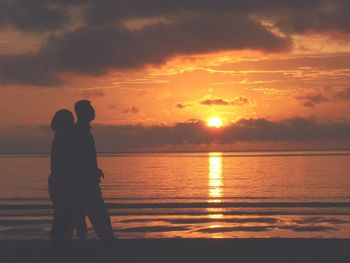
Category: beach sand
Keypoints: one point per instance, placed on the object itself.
(184, 250)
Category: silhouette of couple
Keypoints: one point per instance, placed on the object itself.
(74, 180)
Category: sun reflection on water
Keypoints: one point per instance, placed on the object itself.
(215, 177)
(215, 190)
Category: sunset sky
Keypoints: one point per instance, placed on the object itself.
(276, 72)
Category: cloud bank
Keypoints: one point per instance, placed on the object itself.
(193, 133)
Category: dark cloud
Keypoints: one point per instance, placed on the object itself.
(40, 15)
(33, 16)
(294, 129)
(311, 100)
(93, 93)
(102, 42)
(132, 110)
(31, 69)
(25, 139)
(329, 94)
(344, 94)
(291, 16)
(180, 105)
(193, 133)
(108, 11)
(215, 101)
(296, 16)
(95, 50)
(325, 16)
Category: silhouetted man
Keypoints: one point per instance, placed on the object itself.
(89, 175)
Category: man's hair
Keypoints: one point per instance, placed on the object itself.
(81, 105)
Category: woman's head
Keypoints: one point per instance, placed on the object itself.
(62, 120)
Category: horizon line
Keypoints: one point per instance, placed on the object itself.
(193, 151)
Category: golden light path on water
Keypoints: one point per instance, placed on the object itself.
(215, 187)
(215, 177)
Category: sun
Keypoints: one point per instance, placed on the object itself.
(215, 122)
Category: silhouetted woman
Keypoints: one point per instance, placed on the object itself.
(68, 214)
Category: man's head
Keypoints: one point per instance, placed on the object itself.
(84, 110)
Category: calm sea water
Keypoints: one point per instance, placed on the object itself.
(256, 194)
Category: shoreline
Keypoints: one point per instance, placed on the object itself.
(282, 250)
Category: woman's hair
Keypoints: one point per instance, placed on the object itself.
(62, 120)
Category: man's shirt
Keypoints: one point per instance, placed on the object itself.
(86, 152)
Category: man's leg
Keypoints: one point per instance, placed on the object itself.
(98, 215)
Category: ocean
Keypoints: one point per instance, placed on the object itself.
(194, 195)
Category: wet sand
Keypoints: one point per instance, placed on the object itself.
(184, 250)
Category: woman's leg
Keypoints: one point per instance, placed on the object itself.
(62, 227)
(78, 212)
(61, 230)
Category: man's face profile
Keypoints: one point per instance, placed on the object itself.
(90, 111)
(87, 113)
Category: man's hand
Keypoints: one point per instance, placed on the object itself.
(100, 173)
